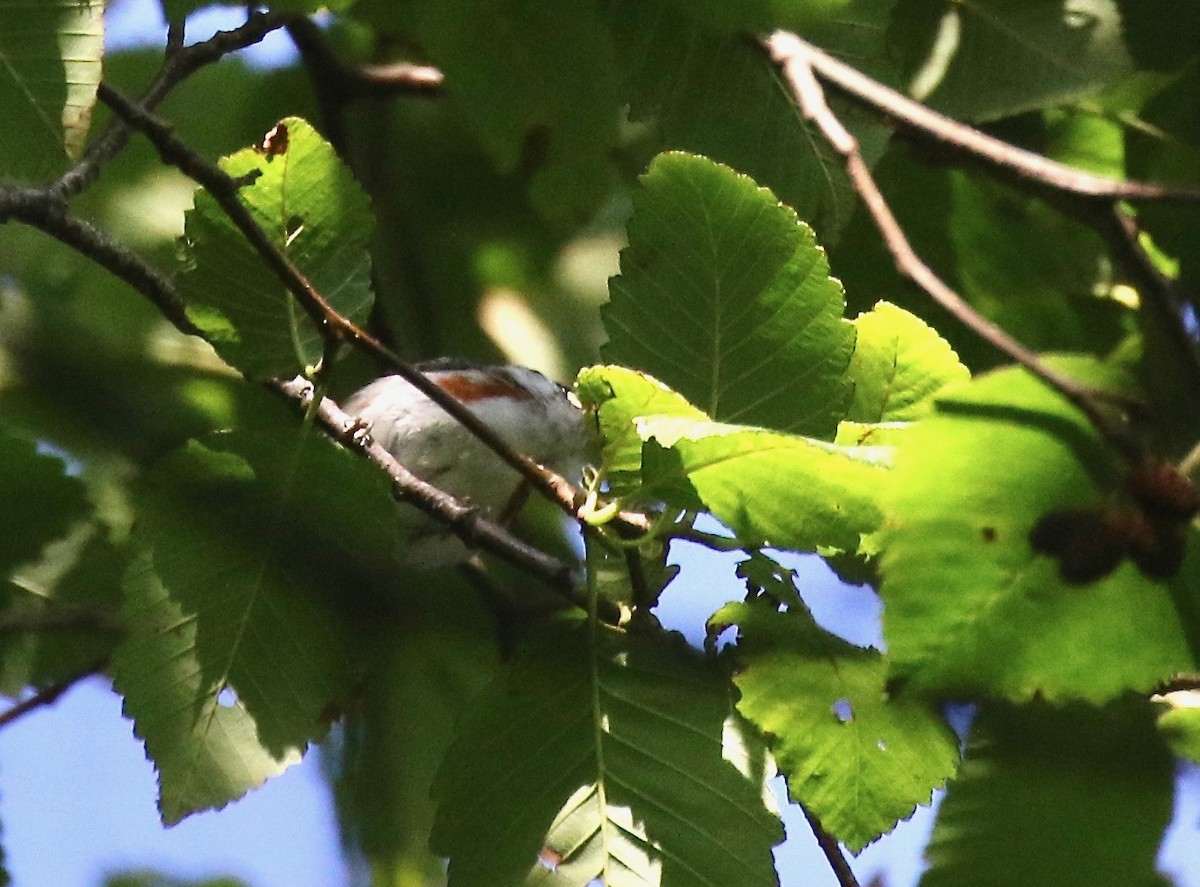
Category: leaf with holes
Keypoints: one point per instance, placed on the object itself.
(619, 757)
(857, 759)
(725, 296)
(313, 211)
(237, 656)
(50, 66)
(971, 608)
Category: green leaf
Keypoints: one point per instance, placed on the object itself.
(43, 501)
(771, 489)
(1043, 277)
(50, 66)
(995, 58)
(618, 396)
(855, 758)
(899, 364)
(1179, 722)
(970, 608)
(710, 91)
(312, 209)
(237, 656)
(427, 661)
(1084, 793)
(620, 756)
(725, 296)
(560, 85)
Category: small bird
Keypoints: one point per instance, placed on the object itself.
(533, 415)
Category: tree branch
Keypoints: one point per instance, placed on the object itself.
(1093, 200)
(333, 324)
(181, 62)
(965, 141)
(466, 522)
(48, 695)
(833, 852)
(795, 58)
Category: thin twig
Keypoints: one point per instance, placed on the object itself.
(329, 321)
(180, 64)
(40, 209)
(1093, 200)
(793, 56)
(48, 695)
(914, 116)
(833, 852)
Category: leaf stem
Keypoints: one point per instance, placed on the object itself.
(832, 850)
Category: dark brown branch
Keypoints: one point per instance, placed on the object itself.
(42, 210)
(329, 321)
(48, 695)
(833, 852)
(793, 55)
(33, 208)
(930, 125)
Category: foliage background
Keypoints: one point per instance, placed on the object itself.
(498, 260)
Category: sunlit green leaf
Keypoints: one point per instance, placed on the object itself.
(898, 364)
(617, 754)
(236, 656)
(771, 489)
(725, 296)
(857, 759)
(1179, 722)
(50, 66)
(312, 209)
(618, 396)
(970, 607)
(1084, 794)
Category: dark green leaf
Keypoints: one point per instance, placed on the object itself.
(713, 92)
(559, 89)
(236, 656)
(1084, 793)
(857, 759)
(50, 65)
(995, 58)
(971, 609)
(427, 661)
(618, 754)
(312, 209)
(42, 501)
(726, 297)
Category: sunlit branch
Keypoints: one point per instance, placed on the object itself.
(794, 57)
